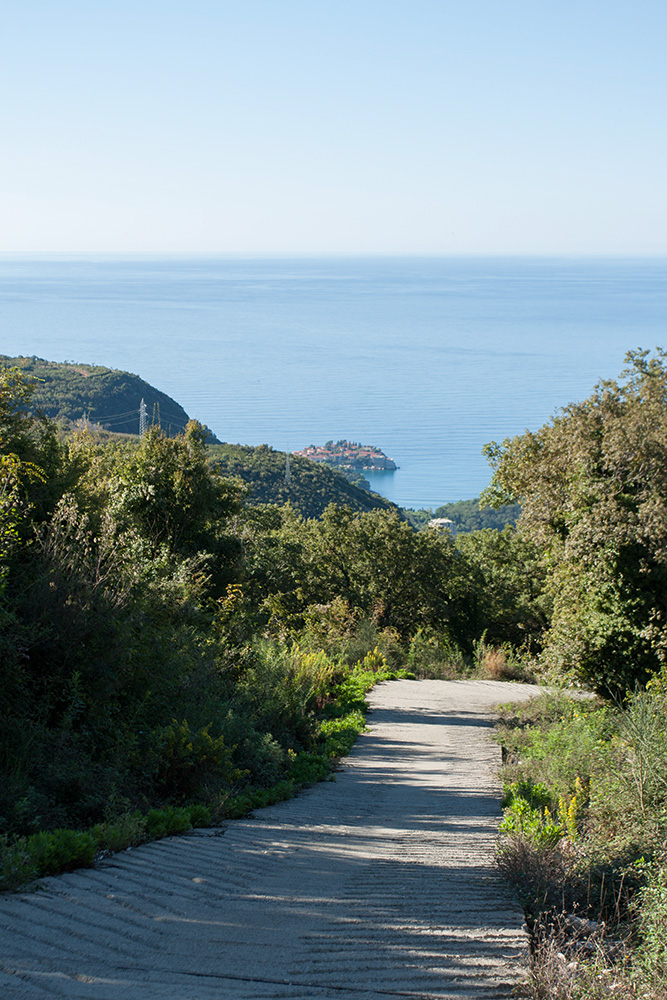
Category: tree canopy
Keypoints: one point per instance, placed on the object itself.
(592, 485)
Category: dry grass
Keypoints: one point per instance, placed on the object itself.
(584, 966)
(496, 665)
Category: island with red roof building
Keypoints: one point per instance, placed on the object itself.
(348, 455)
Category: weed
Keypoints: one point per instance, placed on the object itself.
(586, 798)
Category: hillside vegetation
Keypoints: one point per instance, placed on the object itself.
(101, 395)
(585, 828)
(308, 486)
(110, 399)
(166, 644)
(468, 515)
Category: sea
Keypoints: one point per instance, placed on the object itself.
(428, 358)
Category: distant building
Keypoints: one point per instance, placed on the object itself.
(348, 455)
(441, 523)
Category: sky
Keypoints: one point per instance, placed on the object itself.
(333, 126)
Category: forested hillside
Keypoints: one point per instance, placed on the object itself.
(308, 486)
(103, 396)
(468, 515)
(110, 399)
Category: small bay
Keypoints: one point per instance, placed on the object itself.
(428, 358)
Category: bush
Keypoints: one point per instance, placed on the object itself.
(309, 768)
(51, 853)
(434, 655)
(16, 864)
(184, 760)
(340, 735)
(532, 823)
(588, 802)
(200, 815)
(166, 822)
(128, 830)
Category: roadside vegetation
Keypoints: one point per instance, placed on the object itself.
(584, 835)
(584, 841)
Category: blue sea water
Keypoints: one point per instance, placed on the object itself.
(428, 358)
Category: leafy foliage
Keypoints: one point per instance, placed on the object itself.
(468, 515)
(168, 646)
(583, 839)
(511, 605)
(312, 486)
(592, 486)
(104, 396)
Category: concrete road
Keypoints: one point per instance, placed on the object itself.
(377, 885)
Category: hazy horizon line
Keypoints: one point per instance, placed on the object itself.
(300, 254)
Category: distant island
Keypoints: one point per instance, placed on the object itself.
(107, 402)
(348, 455)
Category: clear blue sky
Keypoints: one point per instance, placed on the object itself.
(400, 126)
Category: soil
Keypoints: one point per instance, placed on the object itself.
(379, 884)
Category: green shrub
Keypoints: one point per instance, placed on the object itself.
(536, 795)
(237, 806)
(61, 850)
(643, 739)
(435, 655)
(340, 735)
(168, 821)
(200, 815)
(309, 768)
(534, 824)
(127, 830)
(16, 864)
(184, 759)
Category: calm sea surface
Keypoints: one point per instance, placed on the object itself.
(427, 358)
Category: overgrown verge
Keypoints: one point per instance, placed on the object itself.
(584, 842)
(334, 731)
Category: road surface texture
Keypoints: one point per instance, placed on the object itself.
(378, 885)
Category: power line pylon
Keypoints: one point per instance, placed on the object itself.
(142, 418)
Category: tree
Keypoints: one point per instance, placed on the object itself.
(507, 576)
(379, 565)
(167, 491)
(592, 485)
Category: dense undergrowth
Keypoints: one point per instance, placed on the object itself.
(334, 690)
(583, 840)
